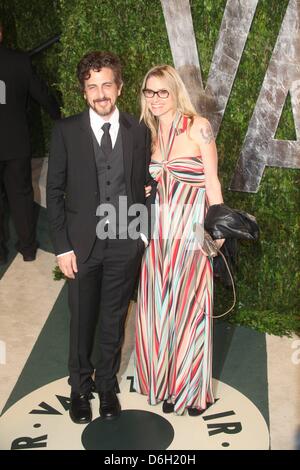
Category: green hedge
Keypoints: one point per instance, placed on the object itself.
(268, 272)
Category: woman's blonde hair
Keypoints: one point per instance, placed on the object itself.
(177, 90)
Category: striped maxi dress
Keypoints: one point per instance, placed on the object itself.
(173, 338)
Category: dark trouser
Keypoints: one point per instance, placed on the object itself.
(101, 290)
(15, 180)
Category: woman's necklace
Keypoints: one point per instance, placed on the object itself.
(166, 150)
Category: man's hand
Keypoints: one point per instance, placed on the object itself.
(68, 265)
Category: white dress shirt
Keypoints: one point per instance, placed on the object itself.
(98, 121)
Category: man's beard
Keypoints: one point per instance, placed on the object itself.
(102, 112)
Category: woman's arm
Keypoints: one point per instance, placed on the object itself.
(202, 133)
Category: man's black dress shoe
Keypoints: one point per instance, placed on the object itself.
(30, 257)
(80, 410)
(110, 407)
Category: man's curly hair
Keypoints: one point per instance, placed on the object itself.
(96, 61)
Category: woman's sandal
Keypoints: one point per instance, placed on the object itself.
(167, 407)
(196, 411)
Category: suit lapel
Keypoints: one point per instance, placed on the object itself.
(127, 143)
(87, 141)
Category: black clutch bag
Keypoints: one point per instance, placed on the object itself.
(223, 222)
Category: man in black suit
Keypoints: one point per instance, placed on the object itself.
(98, 160)
(17, 81)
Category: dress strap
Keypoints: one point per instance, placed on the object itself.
(185, 121)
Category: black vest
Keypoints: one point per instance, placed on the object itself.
(111, 183)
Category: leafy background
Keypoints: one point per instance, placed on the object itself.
(267, 274)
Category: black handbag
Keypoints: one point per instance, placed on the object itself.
(223, 222)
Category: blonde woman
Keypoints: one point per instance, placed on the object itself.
(173, 350)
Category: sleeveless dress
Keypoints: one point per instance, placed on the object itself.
(173, 338)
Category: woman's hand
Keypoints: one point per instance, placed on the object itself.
(148, 190)
(219, 242)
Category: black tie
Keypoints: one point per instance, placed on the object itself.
(106, 144)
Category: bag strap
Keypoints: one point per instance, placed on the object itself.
(200, 235)
(233, 286)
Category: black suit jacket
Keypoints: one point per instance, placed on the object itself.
(20, 81)
(72, 185)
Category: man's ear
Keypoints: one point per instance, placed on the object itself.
(120, 89)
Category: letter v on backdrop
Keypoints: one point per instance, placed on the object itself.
(283, 76)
